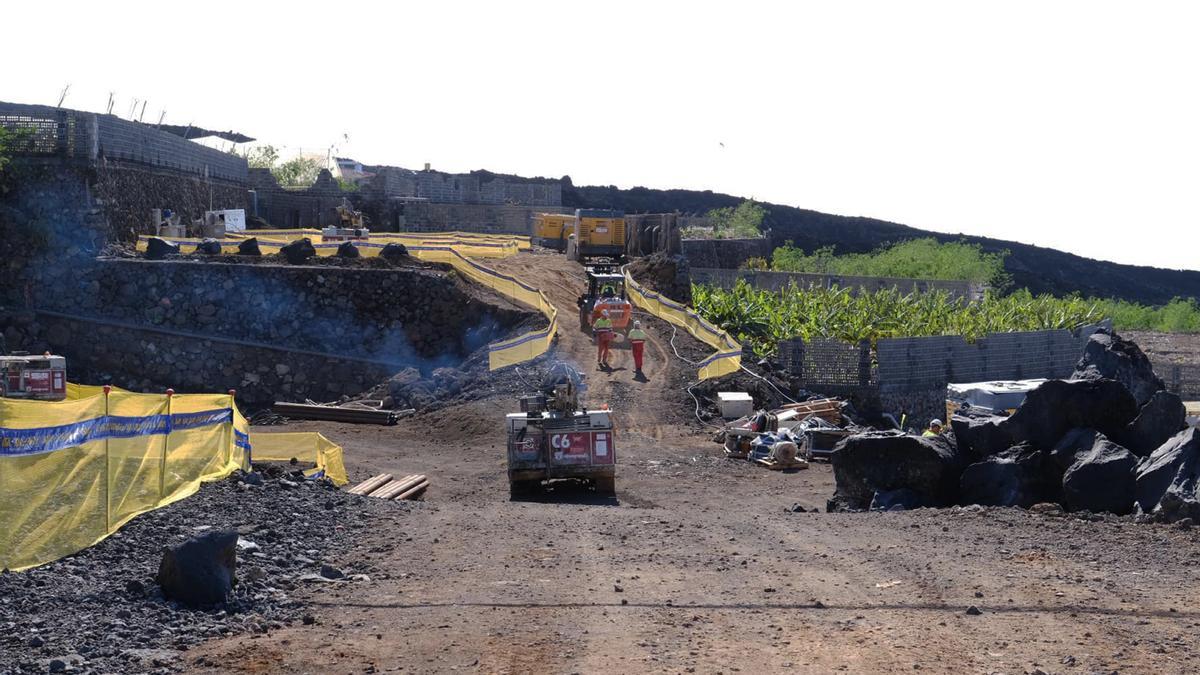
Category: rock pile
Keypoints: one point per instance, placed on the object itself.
(666, 274)
(1107, 440)
(102, 610)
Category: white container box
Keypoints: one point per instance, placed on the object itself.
(734, 404)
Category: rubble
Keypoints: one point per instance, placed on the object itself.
(665, 274)
(103, 604)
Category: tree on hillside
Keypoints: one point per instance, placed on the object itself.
(262, 157)
(297, 172)
(744, 221)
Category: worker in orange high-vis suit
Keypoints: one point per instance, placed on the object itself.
(603, 330)
(637, 343)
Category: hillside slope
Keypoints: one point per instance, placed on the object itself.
(1042, 270)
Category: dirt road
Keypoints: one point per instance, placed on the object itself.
(699, 565)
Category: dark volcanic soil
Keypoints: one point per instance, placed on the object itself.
(698, 565)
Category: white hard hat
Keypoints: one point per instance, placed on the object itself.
(637, 324)
(935, 422)
(604, 312)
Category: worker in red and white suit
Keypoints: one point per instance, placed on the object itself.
(637, 344)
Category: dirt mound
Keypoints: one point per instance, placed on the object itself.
(664, 274)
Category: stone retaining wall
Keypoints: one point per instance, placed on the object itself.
(266, 330)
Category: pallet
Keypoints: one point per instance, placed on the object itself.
(775, 465)
(385, 486)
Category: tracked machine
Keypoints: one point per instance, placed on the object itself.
(555, 437)
(605, 291)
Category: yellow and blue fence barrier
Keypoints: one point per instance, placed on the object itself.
(728, 357)
(72, 472)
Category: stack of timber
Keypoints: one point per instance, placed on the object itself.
(385, 486)
(329, 413)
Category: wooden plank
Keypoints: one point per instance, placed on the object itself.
(396, 487)
(412, 492)
(372, 483)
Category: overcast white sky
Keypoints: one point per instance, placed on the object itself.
(1074, 125)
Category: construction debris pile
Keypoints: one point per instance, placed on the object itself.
(103, 609)
(787, 437)
(1110, 439)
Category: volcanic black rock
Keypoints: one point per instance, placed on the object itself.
(980, 435)
(897, 500)
(1020, 476)
(1160, 418)
(209, 247)
(298, 251)
(393, 252)
(1167, 479)
(200, 572)
(1101, 479)
(1109, 356)
(347, 249)
(157, 249)
(249, 247)
(1074, 444)
(883, 461)
(1057, 406)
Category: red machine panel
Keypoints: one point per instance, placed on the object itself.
(603, 450)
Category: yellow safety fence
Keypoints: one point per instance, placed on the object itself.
(306, 447)
(452, 248)
(728, 357)
(271, 241)
(73, 472)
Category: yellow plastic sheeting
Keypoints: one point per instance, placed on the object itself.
(72, 472)
(728, 357)
(308, 447)
(518, 349)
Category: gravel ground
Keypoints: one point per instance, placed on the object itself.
(100, 610)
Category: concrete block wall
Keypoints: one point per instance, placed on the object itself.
(724, 253)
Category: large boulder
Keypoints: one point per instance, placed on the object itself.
(347, 249)
(158, 249)
(885, 461)
(200, 572)
(1073, 445)
(249, 247)
(1166, 481)
(1020, 476)
(209, 247)
(1111, 357)
(298, 252)
(1057, 406)
(897, 500)
(980, 435)
(1163, 416)
(1101, 479)
(394, 252)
